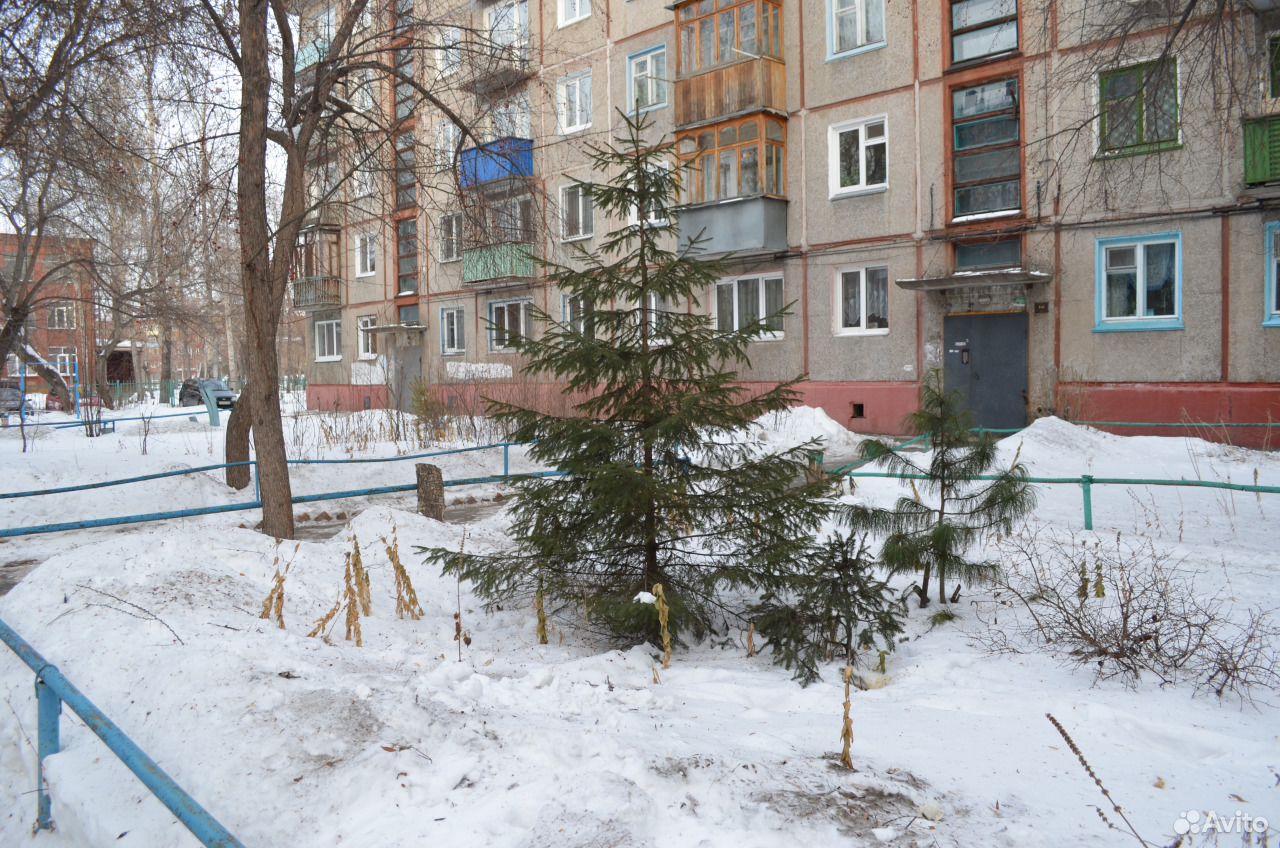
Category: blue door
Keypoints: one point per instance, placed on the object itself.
(985, 360)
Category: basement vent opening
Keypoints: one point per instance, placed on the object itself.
(858, 411)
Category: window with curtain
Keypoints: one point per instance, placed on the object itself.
(854, 24)
(740, 159)
(718, 33)
(740, 303)
(1139, 282)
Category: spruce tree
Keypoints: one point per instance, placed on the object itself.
(657, 484)
(969, 499)
(835, 608)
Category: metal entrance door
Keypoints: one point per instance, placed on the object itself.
(986, 362)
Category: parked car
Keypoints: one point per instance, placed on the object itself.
(190, 393)
(12, 400)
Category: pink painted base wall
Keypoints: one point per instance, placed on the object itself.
(1203, 404)
(344, 398)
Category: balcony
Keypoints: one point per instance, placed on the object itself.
(742, 226)
(310, 54)
(494, 67)
(736, 89)
(1262, 150)
(317, 292)
(501, 159)
(497, 265)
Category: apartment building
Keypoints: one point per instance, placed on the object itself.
(1066, 207)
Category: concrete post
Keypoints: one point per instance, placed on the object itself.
(430, 491)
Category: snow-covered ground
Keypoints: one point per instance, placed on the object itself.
(292, 741)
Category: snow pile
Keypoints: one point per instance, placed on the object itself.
(781, 431)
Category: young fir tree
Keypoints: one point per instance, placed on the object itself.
(658, 486)
(833, 609)
(968, 502)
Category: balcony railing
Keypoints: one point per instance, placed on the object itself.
(500, 159)
(493, 67)
(735, 89)
(1262, 150)
(317, 292)
(743, 226)
(498, 263)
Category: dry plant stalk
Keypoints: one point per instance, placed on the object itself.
(323, 623)
(458, 635)
(361, 577)
(663, 612)
(406, 597)
(1106, 793)
(751, 640)
(351, 592)
(273, 606)
(846, 727)
(657, 678)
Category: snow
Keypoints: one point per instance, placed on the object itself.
(574, 743)
(478, 370)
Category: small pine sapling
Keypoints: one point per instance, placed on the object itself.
(834, 607)
(971, 501)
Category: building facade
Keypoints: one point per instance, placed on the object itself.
(1065, 207)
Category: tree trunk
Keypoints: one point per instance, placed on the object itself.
(239, 426)
(11, 332)
(57, 386)
(263, 283)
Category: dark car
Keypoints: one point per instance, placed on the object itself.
(11, 400)
(190, 393)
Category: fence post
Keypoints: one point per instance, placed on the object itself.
(48, 707)
(506, 459)
(430, 491)
(257, 487)
(1086, 484)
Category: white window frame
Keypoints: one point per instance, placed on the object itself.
(649, 80)
(837, 306)
(586, 213)
(578, 322)
(447, 136)
(512, 119)
(763, 280)
(64, 359)
(859, 12)
(573, 102)
(453, 320)
(368, 341)
(563, 12)
(518, 42)
(450, 58)
(451, 233)
(526, 321)
(633, 217)
(366, 254)
(835, 190)
(62, 315)
(328, 336)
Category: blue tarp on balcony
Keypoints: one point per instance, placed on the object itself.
(500, 159)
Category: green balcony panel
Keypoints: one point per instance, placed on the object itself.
(497, 262)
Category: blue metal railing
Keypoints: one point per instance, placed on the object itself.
(52, 691)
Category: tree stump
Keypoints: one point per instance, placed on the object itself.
(239, 424)
(430, 491)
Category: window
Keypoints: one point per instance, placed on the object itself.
(986, 142)
(1271, 313)
(740, 303)
(511, 119)
(1140, 283)
(508, 25)
(450, 59)
(654, 216)
(64, 360)
(990, 253)
(406, 176)
(1138, 108)
(982, 28)
(328, 332)
(576, 213)
(733, 32)
(863, 301)
(366, 183)
(408, 315)
(725, 161)
(647, 79)
(405, 90)
(574, 99)
(1273, 66)
(407, 256)
(507, 321)
(509, 221)
(576, 313)
(447, 138)
(368, 339)
(858, 156)
(62, 315)
(364, 91)
(453, 338)
(366, 254)
(854, 25)
(572, 11)
(451, 237)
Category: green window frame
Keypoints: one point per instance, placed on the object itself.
(1138, 109)
(1273, 66)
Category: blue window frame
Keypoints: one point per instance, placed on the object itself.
(648, 82)
(1271, 309)
(1139, 283)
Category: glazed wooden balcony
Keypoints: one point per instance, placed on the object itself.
(742, 87)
